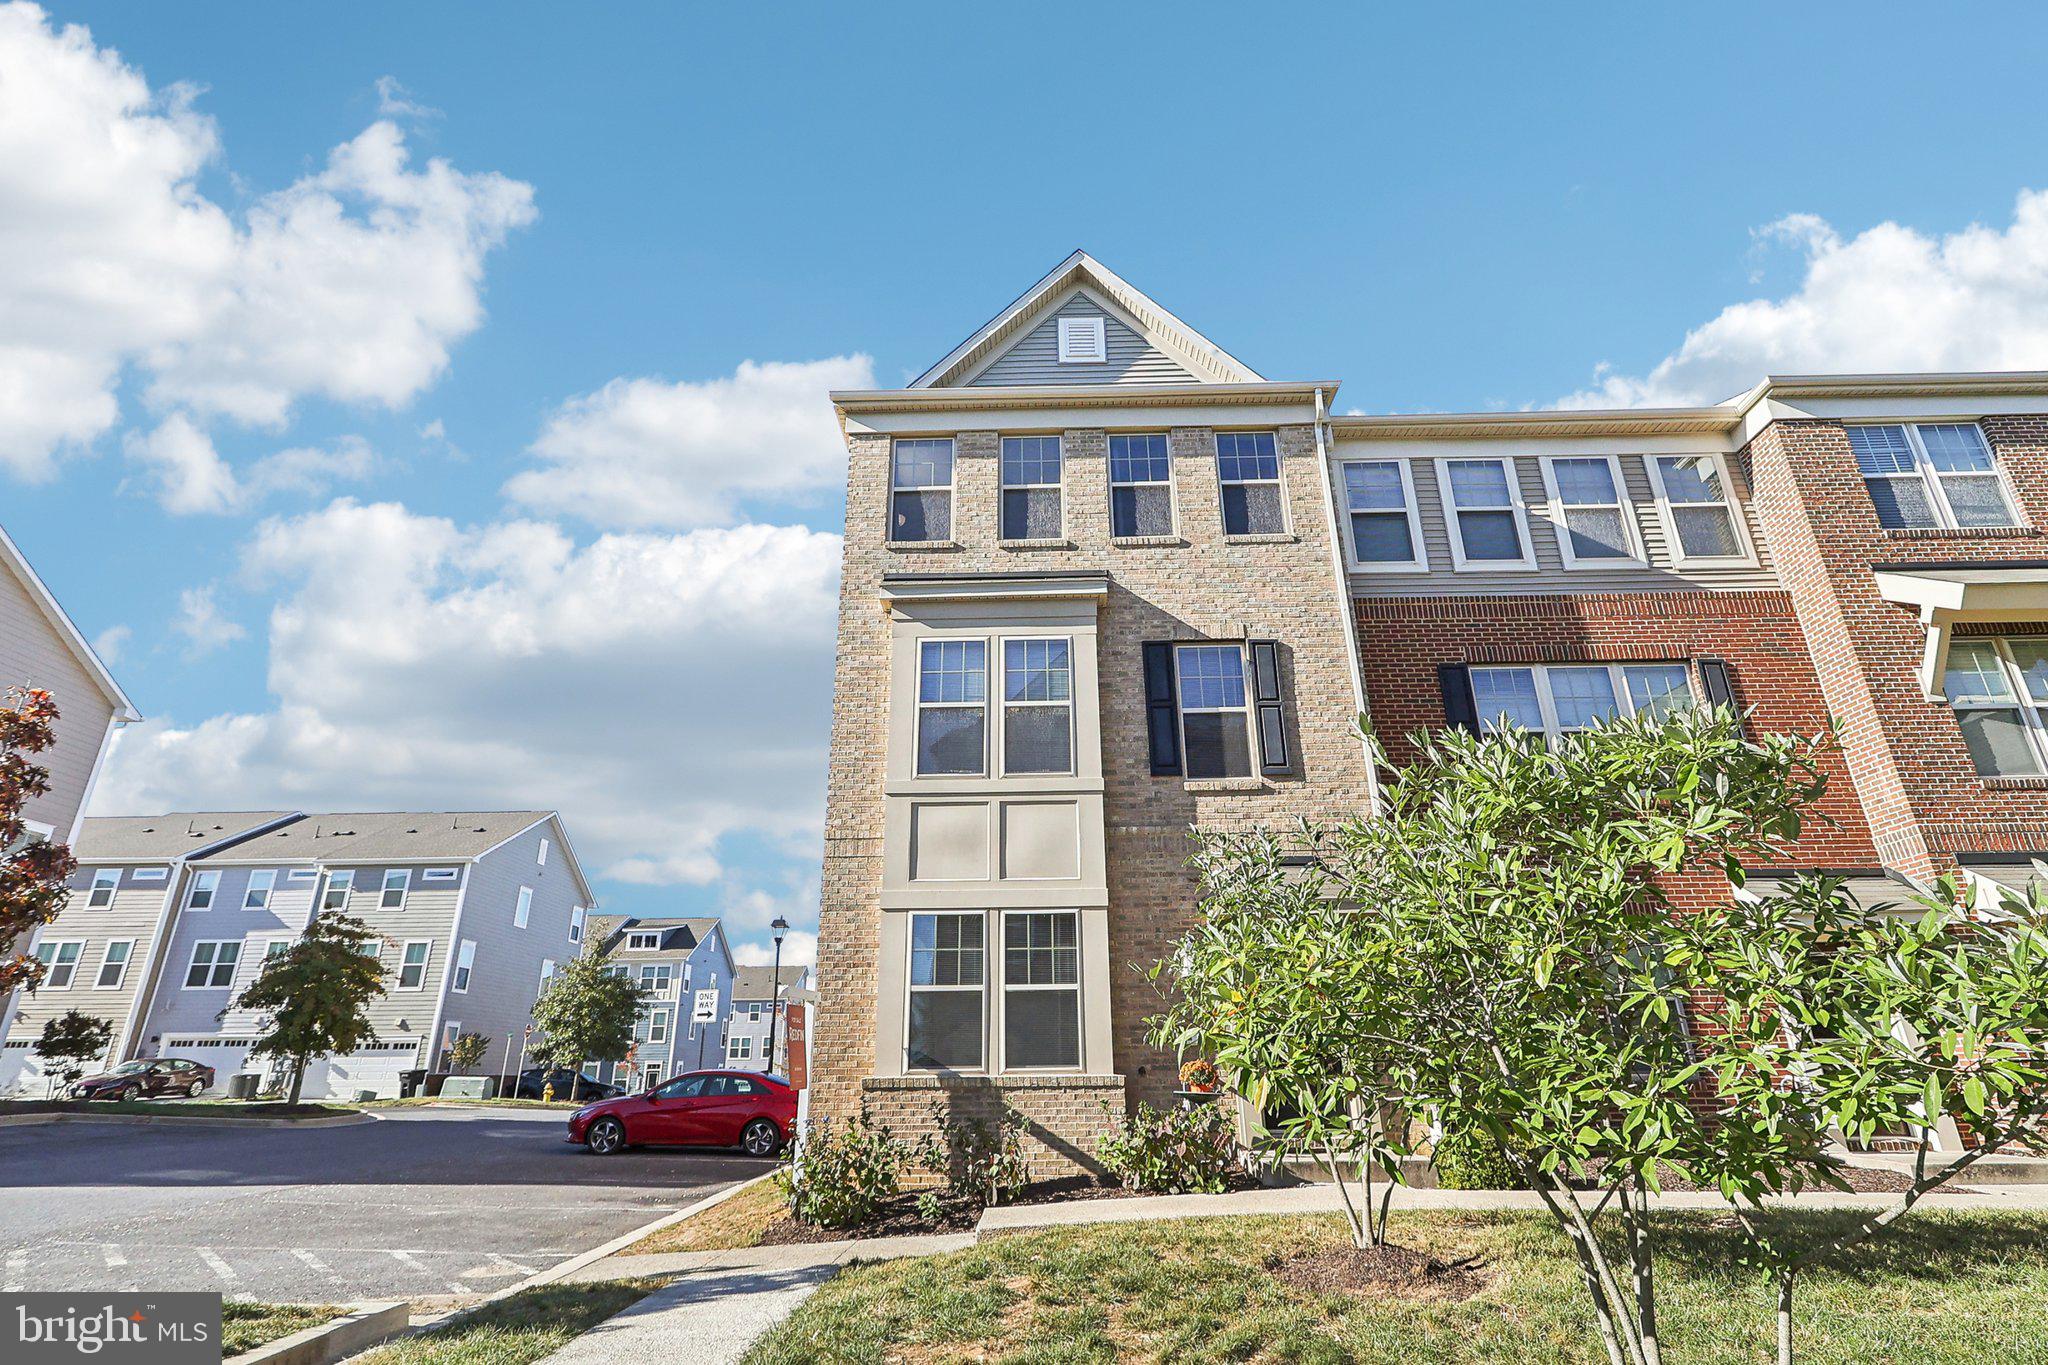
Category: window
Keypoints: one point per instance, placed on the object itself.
(439, 874)
(1489, 527)
(1031, 488)
(261, 882)
(105, 882)
(150, 874)
(412, 964)
(1556, 699)
(1083, 341)
(204, 887)
(1041, 989)
(947, 969)
(213, 965)
(547, 973)
(465, 963)
(753, 1009)
(60, 958)
(1588, 505)
(1933, 474)
(952, 691)
(1699, 517)
(1140, 486)
(576, 924)
(681, 1088)
(643, 940)
(1998, 689)
(650, 1076)
(1215, 722)
(658, 979)
(339, 884)
(1386, 530)
(114, 964)
(450, 1031)
(652, 1027)
(741, 1048)
(396, 882)
(523, 910)
(542, 860)
(1248, 466)
(1038, 705)
(301, 874)
(921, 497)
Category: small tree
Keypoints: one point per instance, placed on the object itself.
(32, 872)
(467, 1050)
(314, 996)
(72, 1039)
(586, 1011)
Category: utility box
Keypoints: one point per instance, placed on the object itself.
(469, 1088)
(244, 1086)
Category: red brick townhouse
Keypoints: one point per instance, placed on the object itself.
(1103, 582)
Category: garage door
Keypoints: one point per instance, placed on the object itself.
(21, 1071)
(227, 1056)
(375, 1068)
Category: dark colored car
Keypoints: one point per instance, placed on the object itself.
(743, 1109)
(143, 1078)
(534, 1080)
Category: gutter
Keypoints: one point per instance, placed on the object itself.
(1342, 577)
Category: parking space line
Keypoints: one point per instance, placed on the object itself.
(407, 1258)
(17, 1266)
(310, 1259)
(217, 1265)
(115, 1260)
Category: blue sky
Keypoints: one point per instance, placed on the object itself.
(1445, 208)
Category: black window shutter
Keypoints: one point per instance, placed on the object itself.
(1162, 710)
(1272, 725)
(1718, 683)
(1460, 712)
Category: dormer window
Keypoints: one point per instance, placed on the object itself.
(646, 941)
(1082, 341)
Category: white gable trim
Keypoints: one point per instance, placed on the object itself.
(124, 710)
(1199, 355)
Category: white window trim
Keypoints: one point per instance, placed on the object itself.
(192, 961)
(1454, 531)
(1420, 562)
(657, 1023)
(427, 961)
(1183, 710)
(1002, 487)
(55, 945)
(2032, 718)
(542, 859)
(1930, 477)
(984, 990)
(1168, 483)
(1636, 558)
(200, 883)
(112, 888)
(949, 487)
(1673, 541)
(1003, 1004)
(920, 705)
(342, 880)
(576, 914)
(384, 887)
(1002, 721)
(1546, 703)
(522, 908)
(632, 935)
(99, 977)
(464, 974)
(439, 874)
(264, 879)
(149, 874)
(1096, 326)
(1279, 481)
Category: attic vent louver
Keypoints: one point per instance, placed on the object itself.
(1082, 341)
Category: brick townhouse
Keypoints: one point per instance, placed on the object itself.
(1104, 583)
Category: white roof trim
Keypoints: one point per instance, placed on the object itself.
(1196, 352)
(1963, 593)
(124, 710)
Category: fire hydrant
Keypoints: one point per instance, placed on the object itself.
(547, 1092)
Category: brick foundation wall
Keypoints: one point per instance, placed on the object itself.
(1064, 1116)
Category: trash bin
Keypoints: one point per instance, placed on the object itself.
(244, 1086)
(409, 1083)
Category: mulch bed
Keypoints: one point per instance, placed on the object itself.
(900, 1216)
(1860, 1180)
(1378, 1271)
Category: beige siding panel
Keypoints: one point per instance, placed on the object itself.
(135, 914)
(33, 654)
(1035, 359)
(1550, 575)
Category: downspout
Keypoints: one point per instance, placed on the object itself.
(1345, 610)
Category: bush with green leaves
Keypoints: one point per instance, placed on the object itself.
(841, 1173)
(982, 1159)
(1464, 1161)
(1171, 1151)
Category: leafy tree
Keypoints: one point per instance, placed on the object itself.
(32, 872)
(72, 1039)
(314, 995)
(586, 1011)
(467, 1050)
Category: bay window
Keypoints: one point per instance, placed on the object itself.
(948, 968)
(1038, 706)
(952, 695)
(1041, 989)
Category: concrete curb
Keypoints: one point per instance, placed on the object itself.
(167, 1120)
(363, 1326)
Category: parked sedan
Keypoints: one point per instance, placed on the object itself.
(534, 1080)
(743, 1109)
(144, 1077)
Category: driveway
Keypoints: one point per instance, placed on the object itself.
(422, 1202)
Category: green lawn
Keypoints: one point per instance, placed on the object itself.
(526, 1327)
(1961, 1287)
(208, 1109)
(245, 1326)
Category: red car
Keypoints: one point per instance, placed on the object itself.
(743, 1109)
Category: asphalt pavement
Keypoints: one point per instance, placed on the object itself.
(420, 1203)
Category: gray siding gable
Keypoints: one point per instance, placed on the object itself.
(1034, 357)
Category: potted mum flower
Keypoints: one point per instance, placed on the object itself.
(1199, 1080)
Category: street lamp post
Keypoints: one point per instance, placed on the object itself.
(781, 927)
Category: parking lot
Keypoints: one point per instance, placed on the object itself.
(419, 1203)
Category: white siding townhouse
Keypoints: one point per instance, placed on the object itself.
(757, 1003)
(475, 910)
(678, 960)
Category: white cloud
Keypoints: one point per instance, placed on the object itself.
(1888, 299)
(109, 643)
(350, 284)
(649, 453)
(799, 949)
(189, 476)
(200, 622)
(395, 101)
(664, 691)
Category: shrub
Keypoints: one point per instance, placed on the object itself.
(1469, 1161)
(1175, 1151)
(981, 1159)
(840, 1174)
